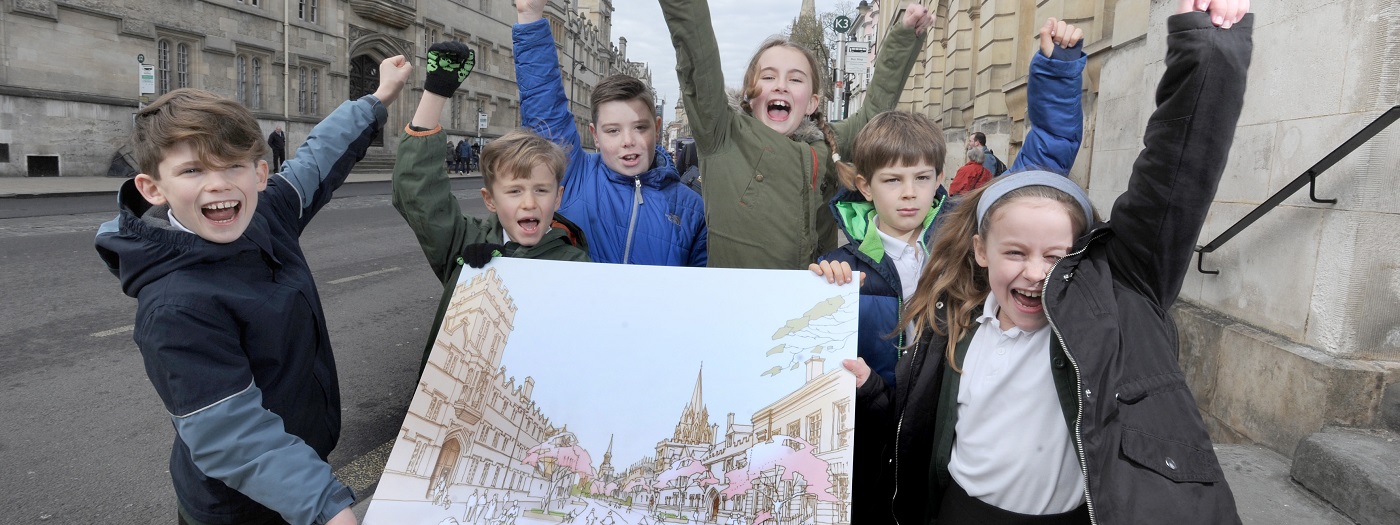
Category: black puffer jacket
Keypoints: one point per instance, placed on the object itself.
(1145, 450)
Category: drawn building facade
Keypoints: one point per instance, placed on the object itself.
(464, 439)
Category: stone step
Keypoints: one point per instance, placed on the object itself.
(1356, 470)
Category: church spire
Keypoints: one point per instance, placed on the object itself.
(694, 426)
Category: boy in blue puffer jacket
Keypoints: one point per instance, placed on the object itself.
(890, 220)
(628, 198)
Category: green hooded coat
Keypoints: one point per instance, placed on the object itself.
(766, 194)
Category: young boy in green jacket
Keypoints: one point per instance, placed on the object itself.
(521, 173)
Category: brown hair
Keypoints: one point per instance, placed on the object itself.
(219, 130)
(952, 278)
(625, 88)
(845, 173)
(898, 138)
(517, 153)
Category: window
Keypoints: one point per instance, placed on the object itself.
(842, 436)
(814, 430)
(794, 429)
(257, 83)
(435, 406)
(457, 112)
(306, 10)
(163, 65)
(242, 87)
(314, 104)
(182, 64)
(301, 91)
(253, 3)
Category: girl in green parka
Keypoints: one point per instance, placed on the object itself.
(770, 160)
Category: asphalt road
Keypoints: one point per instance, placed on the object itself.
(83, 436)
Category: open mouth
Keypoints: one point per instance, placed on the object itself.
(778, 110)
(221, 212)
(529, 226)
(631, 158)
(1027, 300)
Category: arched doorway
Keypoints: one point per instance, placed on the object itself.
(441, 479)
(364, 79)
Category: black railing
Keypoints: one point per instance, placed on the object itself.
(1308, 178)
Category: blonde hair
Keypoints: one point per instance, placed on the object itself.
(952, 279)
(517, 153)
(897, 138)
(844, 171)
(219, 130)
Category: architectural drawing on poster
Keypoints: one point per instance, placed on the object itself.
(611, 420)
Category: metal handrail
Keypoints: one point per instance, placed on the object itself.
(1308, 178)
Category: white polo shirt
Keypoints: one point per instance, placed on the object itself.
(1013, 449)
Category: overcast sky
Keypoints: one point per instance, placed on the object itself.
(740, 26)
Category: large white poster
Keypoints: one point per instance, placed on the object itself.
(606, 394)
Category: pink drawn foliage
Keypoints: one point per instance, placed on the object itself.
(777, 454)
(572, 458)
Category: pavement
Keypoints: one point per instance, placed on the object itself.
(1265, 492)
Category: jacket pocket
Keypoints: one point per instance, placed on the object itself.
(753, 196)
(1163, 431)
(1179, 462)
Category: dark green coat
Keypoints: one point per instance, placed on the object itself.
(423, 196)
(766, 193)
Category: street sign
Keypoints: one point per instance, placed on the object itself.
(857, 56)
(481, 120)
(841, 24)
(140, 58)
(147, 76)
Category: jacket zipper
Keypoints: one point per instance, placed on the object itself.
(897, 429)
(1078, 386)
(632, 226)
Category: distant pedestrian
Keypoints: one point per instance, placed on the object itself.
(278, 142)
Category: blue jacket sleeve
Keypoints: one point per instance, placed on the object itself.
(1055, 109)
(700, 247)
(203, 376)
(332, 149)
(543, 106)
(240, 443)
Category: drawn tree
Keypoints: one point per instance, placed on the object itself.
(560, 460)
(643, 483)
(682, 474)
(827, 325)
(783, 459)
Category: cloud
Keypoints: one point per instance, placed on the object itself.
(740, 27)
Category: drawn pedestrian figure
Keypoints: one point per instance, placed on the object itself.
(591, 518)
(473, 502)
(513, 513)
(569, 518)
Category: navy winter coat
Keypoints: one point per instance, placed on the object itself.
(234, 338)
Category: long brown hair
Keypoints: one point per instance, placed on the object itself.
(952, 279)
(845, 173)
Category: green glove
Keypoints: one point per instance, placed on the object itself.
(449, 63)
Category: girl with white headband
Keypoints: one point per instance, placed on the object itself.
(1044, 387)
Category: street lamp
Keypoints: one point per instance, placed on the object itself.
(862, 10)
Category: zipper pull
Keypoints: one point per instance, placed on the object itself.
(638, 180)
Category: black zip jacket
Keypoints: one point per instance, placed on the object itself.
(1143, 445)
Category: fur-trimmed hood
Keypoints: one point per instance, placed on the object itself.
(807, 132)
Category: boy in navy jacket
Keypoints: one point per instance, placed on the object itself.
(228, 320)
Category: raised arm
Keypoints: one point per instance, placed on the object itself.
(1054, 101)
(1158, 219)
(337, 143)
(699, 71)
(899, 51)
(422, 192)
(543, 104)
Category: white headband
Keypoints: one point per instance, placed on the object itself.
(1009, 183)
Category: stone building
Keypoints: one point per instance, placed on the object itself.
(69, 72)
(1298, 336)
